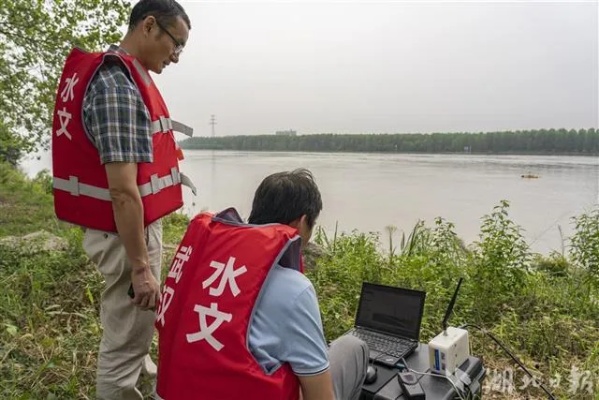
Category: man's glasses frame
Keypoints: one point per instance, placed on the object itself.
(178, 45)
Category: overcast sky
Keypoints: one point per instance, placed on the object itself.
(386, 67)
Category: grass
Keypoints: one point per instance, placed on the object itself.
(25, 205)
(544, 308)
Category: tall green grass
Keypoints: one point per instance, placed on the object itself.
(546, 309)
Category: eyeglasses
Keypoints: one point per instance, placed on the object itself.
(178, 46)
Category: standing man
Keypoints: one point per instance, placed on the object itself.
(116, 173)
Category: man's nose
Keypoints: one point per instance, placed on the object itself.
(174, 58)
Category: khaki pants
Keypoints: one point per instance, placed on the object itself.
(128, 330)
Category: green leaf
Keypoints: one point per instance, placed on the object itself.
(11, 329)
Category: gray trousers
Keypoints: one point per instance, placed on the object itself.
(127, 330)
(348, 357)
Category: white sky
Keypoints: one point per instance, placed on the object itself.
(386, 67)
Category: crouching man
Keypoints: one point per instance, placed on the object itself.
(238, 319)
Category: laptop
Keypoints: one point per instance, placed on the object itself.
(388, 320)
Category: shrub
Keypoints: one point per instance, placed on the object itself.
(500, 262)
(584, 244)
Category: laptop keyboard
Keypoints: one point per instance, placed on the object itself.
(393, 346)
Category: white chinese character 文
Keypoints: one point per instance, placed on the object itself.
(65, 118)
(228, 276)
(205, 332)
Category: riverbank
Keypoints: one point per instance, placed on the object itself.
(545, 309)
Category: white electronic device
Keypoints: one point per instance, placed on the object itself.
(448, 350)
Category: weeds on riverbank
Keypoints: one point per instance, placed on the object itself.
(546, 309)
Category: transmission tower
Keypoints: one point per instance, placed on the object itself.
(213, 122)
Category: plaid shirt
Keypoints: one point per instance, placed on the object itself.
(116, 118)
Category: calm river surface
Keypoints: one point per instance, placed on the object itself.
(369, 192)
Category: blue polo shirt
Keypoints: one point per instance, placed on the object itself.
(286, 325)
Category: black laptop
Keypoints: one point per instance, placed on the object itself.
(388, 320)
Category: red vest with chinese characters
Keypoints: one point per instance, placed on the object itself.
(206, 309)
(81, 193)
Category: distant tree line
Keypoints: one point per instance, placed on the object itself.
(543, 141)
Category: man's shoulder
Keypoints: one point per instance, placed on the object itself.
(289, 282)
(111, 74)
(287, 300)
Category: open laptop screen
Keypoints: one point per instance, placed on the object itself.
(391, 310)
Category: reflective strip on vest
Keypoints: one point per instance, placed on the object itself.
(143, 73)
(73, 186)
(155, 185)
(164, 125)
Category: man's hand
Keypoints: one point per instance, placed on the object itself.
(145, 287)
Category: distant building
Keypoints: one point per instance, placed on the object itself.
(286, 133)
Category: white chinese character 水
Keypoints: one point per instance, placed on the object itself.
(165, 301)
(65, 118)
(67, 93)
(205, 332)
(181, 258)
(228, 276)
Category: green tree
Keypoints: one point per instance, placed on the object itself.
(35, 38)
(10, 146)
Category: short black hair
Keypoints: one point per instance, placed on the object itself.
(165, 11)
(284, 197)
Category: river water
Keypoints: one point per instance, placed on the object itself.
(370, 192)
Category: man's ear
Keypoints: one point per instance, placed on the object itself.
(304, 220)
(296, 223)
(148, 23)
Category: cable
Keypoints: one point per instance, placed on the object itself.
(375, 359)
(510, 354)
(458, 391)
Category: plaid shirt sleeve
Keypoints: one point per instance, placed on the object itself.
(118, 121)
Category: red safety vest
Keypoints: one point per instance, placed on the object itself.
(206, 308)
(81, 193)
